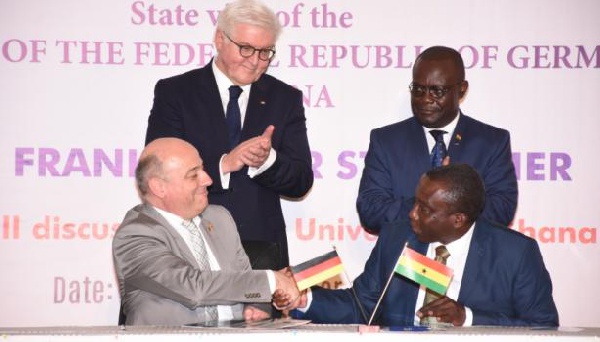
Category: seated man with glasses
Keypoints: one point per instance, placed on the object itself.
(249, 126)
(437, 133)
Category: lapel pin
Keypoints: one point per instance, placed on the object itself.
(263, 102)
(458, 138)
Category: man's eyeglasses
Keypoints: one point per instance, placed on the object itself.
(436, 91)
(248, 51)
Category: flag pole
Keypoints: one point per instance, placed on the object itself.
(386, 286)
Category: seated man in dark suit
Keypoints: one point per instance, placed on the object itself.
(178, 259)
(499, 274)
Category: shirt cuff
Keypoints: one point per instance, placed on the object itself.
(309, 299)
(223, 176)
(468, 317)
(272, 281)
(253, 172)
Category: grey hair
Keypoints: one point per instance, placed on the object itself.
(249, 12)
(148, 167)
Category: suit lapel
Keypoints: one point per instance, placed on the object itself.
(420, 152)
(477, 250)
(208, 228)
(256, 109)
(175, 236)
(209, 96)
(455, 148)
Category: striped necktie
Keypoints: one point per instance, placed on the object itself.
(441, 256)
(199, 252)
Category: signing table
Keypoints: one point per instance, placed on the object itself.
(308, 332)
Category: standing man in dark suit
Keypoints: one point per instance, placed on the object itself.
(499, 274)
(162, 278)
(270, 157)
(400, 153)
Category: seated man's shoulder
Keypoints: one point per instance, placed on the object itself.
(396, 230)
(216, 212)
(505, 235)
(215, 209)
(140, 221)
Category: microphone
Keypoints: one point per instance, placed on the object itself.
(362, 309)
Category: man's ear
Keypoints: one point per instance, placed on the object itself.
(460, 220)
(218, 39)
(464, 88)
(157, 187)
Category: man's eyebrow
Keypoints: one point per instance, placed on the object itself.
(194, 170)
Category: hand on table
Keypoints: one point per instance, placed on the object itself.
(445, 310)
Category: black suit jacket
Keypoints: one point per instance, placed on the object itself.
(189, 106)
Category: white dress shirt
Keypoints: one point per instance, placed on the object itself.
(458, 250)
(223, 83)
(449, 128)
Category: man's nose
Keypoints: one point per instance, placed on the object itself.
(254, 58)
(205, 179)
(413, 213)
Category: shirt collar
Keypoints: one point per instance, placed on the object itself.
(449, 127)
(176, 220)
(459, 246)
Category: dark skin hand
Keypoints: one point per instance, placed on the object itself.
(285, 303)
(445, 310)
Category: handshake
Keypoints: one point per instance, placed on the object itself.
(287, 296)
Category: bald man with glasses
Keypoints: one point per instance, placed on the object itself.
(249, 126)
(437, 133)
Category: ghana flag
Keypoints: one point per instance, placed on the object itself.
(316, 270)
(420, 269)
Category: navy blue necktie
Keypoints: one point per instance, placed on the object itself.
(439, 151)
(233, 116)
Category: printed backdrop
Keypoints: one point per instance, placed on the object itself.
(77, 80)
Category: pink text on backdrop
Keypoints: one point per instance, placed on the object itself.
(52, 162)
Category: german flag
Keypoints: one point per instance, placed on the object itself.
(316, 270)
(422, 270)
